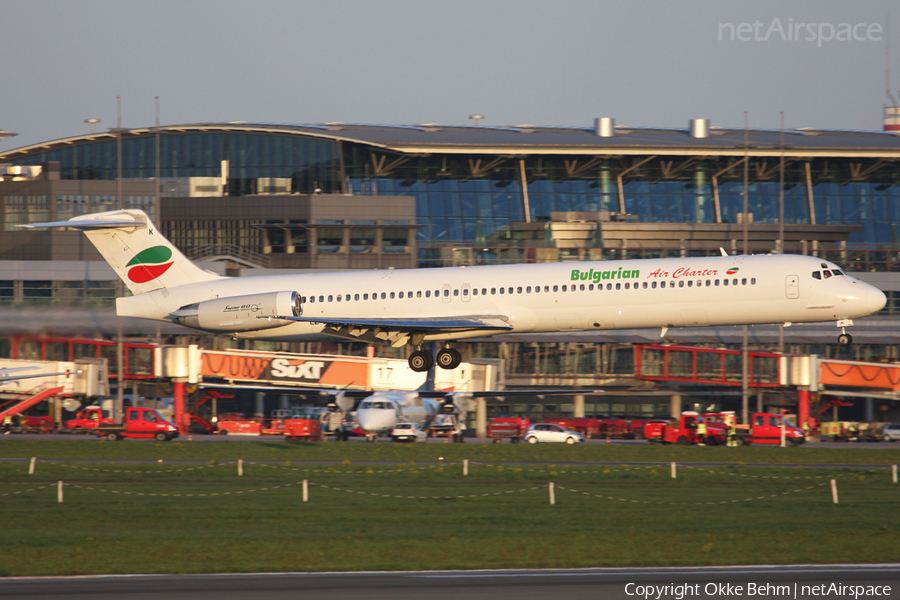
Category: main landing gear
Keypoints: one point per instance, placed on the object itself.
(422, 360)
(845, 339)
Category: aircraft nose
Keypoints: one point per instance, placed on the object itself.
(875, 299)
(374, 420)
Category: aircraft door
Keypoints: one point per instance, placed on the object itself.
(466, 291)
(792, 286)
(446, 292)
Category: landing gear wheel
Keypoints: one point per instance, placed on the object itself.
(448, 358)
(420, 361)
(845, 339)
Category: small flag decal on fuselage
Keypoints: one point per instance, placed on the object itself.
(731, 271)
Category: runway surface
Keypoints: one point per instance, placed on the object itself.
(659, 583)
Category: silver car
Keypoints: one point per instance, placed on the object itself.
(551, 432)
(891, 432)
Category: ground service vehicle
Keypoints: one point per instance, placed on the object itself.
(691, 428)
(851, 431)
(302, 430)
(447, 426)
(764, 428)
(507, 428)
(87, 419)
(139, 423)
(408, 432)
(551, 432)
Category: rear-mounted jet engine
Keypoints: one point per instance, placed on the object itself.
(240, 313)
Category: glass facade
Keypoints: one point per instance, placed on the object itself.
(309, 163)
(468, 198)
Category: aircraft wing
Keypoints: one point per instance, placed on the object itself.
(398, 330)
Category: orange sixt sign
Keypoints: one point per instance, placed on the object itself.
(283, 369)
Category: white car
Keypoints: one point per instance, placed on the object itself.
(551, 432)
(407, 432)
(891, 432)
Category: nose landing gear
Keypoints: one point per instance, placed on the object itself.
(845, 339)
(422, 360)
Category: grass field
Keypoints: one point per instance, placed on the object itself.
(387, 506)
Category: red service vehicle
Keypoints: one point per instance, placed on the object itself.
(764, 428)
(304, 430)
(614, 428)
(511, 428)
(86, 420)
(588, 427)
(689, 429)
(139, 423)
(636, 428)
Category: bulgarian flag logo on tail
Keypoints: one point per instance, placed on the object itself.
(149, 264)
(731, 271)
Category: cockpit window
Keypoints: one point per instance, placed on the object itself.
(816, 275)
(375, 404)
(826, 273)
(838, 272)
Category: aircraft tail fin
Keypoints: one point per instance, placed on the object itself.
(134, 248)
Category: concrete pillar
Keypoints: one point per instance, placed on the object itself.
(578, 409)
(675, 406)
(870, 410)
(260, 408)
(284, 401)
(480, 417)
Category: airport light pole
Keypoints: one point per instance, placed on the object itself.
(745, 356)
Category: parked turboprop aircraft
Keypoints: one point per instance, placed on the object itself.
(379, 412)
(411, 306)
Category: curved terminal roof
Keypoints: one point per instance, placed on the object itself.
(534, 140)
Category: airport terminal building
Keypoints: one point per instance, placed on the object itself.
(351, 196)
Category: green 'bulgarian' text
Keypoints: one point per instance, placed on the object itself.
(597, 276)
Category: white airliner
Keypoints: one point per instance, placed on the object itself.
(412, 306)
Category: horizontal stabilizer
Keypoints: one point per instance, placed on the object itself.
(86, 224)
